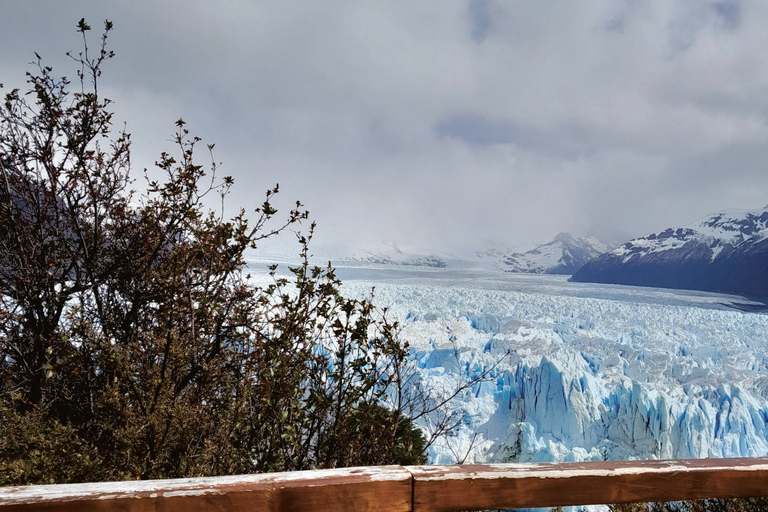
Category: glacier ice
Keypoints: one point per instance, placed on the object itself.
(587, 372)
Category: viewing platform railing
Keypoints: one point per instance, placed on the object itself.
(412, 488)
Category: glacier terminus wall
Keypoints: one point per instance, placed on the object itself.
(584, 372)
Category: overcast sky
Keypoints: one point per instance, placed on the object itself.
(443, 124)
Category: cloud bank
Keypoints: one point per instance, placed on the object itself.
(443, 125)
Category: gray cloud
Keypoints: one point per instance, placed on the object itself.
(443, 127)
(477, 130)
(480, 18)
(729, 14)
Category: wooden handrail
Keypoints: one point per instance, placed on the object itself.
(483, 487)
(343, 490)
(413, 488)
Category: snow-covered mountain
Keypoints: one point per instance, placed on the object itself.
(585, 371)
(389, 254)
(384, 255)
(725, 252)
(563, 255)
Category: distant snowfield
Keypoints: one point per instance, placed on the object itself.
(587, 372)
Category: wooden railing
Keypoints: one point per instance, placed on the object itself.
(414, 488)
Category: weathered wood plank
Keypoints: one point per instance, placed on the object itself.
(374, 489)
(418, 488)
(483, 487)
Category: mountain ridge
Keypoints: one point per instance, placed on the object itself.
(724, 252)
(564, 254)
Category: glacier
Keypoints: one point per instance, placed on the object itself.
(583, 371)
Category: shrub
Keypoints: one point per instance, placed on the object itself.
(132, 342)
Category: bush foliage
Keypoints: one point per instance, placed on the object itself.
(712, 505)
(132, 342)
